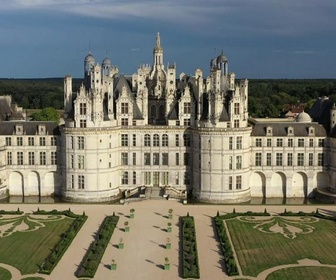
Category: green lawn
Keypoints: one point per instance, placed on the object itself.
(307, 273)
(27, 250)
(5, 274)
(258, 251)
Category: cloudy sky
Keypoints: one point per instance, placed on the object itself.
(261, 38)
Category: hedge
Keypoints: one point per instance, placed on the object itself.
(230, 263)
(190, 266)
(59, 249)
(94, 254)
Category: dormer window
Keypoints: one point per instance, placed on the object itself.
(290, 131)
(269, 131)
(19, 129)
(41, 129)
(311, 131)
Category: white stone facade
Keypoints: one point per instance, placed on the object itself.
(184, 134)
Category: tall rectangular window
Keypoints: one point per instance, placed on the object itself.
(134, 178)
(186, 108)
(164, 158)
(19, 158)
(53, 141)
(124, 178)
(164, 178)
(177, 178)
(9, 158)
(19, 141)
(236, 123)
(320, 159)
(124, 107)
(258, 142)
(147, 178)
(82, 108)
(186, 179)
(311, 143)
(177, 159)
(258, 159)
(239, 182)
(31, 158)
(290, 159)
(43, 160)
(156, 140)
(230, 162)
(72, 142)
(164, 140)
(134, 159)
(290, 142)
(186, 159)
(124, 140)
(236, 108)
(134, 140)
(269, 142)
(124, 158)
(279, 142)
(72, 161)
(300, 159)
(82, 123)
(81, 182)
(239, 144)
(239, 161)
(186, 122)
(53, 158)
(42, 141)
(230, 143)
(156, 158)
(301, 142)
(8, 141)
(278, 159)
(147, 158)
(186, 140)
(321, 142)
(230, 182)
(72, 181)
(147, 140)
(80, 142)
(177, 140)
(310, 159)
(269, 159)
(80, 161)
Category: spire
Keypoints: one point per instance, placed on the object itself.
(158, 42)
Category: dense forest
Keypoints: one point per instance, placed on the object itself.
(267, 98)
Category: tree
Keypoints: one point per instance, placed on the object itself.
(46, 114)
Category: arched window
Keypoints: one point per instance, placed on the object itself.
(147, 140)
(156, 140)
(164, 140)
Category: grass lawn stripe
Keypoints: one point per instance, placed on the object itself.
(258, 251)
(27, 250)
(305, 272)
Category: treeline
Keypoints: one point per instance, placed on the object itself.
(267, 98)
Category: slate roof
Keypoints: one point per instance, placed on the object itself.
(29, 127)
(281, 129)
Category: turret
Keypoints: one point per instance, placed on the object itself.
(67, 94)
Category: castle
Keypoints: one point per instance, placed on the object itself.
(183, 135)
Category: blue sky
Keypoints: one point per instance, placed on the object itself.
(261, 38)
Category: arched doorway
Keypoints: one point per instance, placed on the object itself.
(278, 185)
(15, 184)
(258, 185)
(33, 184)
(299, 185)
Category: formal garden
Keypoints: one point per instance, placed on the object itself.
(262, 241)
(251, 244)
